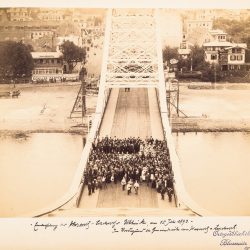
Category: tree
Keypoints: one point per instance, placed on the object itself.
(72, 54)
(198, 58)
(238, 31)
(212, 73)
(170, 53)
(15, 59)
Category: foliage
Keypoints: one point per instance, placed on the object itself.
(15, 59)
(170, 53)
(72, 54)
(196, 57)
(238, 31)
(212, 73)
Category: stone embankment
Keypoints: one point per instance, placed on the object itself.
(203, 124)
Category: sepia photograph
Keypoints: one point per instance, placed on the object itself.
(120, 112)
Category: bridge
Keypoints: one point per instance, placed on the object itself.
(131, 103)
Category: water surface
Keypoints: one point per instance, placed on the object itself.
(216, 170)
(36, 171)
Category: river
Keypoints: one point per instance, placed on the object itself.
(36, 170)
(216, 170)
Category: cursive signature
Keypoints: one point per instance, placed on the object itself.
(228, 242)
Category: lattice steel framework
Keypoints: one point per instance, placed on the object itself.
(132, 59)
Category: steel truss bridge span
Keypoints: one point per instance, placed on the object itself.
(132, 58)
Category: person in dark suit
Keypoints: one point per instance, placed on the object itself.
(163, 191)
(89, 187)
(93, 185)
(170, 193)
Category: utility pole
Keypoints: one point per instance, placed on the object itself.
(178, 92)
(215, 73)
(191, 67)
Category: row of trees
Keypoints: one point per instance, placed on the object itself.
(16, 60)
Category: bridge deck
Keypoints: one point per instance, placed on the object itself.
(133, 113)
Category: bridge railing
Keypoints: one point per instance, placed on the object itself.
(182, 198)
(164, 132)
(94, 133)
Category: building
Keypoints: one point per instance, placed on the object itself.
(198, 31)
(185, 47)
(230, 56)
(235, 57)
(192, 25)
(48, 66)
(218, 35)
(51, 14)
(212, 50)
(18, 14)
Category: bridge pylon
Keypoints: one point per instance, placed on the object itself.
(131, 59)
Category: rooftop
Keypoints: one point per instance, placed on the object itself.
(217, 32)
(218, 44)
(238, 45)
(40, 55)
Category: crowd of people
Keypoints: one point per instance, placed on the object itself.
(130, 162)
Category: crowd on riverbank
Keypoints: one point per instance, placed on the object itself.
(130, 162)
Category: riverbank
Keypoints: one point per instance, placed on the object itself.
(224, 108)
(209, 125)
(44, 109)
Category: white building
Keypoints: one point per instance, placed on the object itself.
(47, 66)
(236, 56)
(231, 56)
(212, 50)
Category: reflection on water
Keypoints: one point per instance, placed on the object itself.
(216, 170)
(36, 171)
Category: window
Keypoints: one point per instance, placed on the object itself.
(213, 57)
(239, 57)
(232, 57)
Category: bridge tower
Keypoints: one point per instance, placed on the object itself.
(132, 58)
